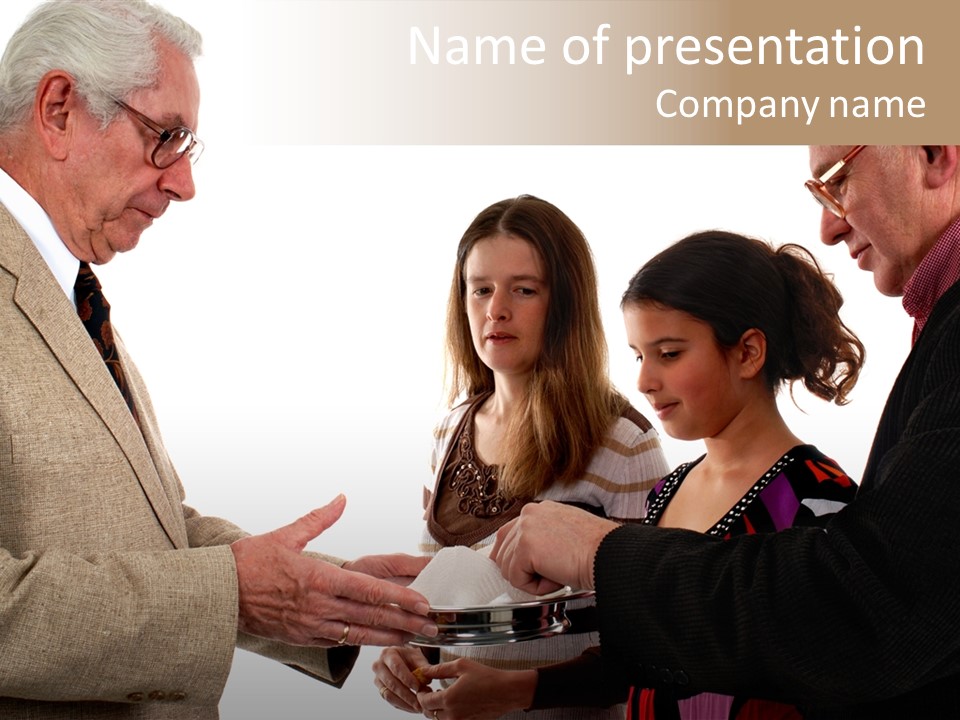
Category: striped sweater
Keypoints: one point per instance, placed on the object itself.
(618, 478)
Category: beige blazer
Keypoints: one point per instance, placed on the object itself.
(117, 600)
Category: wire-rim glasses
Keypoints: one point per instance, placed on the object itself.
(173, 143)
(818, 186)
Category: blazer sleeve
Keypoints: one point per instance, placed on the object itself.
(118, 626)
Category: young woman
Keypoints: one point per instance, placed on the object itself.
(541, 420)
(719, 323)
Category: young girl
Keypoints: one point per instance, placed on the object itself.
(541, 421)
(719, 322)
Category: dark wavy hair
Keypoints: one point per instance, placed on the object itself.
(735, 283)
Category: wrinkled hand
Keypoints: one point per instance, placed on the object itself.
(550, 545)
(397, 568)
(479, 693)
(293, 598)
(394, 678)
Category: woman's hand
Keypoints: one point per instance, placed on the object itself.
(479, 693)
(395, 680)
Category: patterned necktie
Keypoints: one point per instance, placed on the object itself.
(94, 312)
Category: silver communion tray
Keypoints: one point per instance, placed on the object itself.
(501, 624)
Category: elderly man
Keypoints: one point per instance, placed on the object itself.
(116, 599)
(862, 620)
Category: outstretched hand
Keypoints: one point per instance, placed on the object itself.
(288, 596)
(398, 568)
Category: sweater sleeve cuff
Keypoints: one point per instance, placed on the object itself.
(578, 682)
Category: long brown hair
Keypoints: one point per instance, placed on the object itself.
(570, 403)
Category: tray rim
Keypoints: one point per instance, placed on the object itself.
(562, 595)
(510, 621)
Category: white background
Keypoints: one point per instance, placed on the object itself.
(289, 320)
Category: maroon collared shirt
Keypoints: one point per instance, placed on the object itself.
(938, 270)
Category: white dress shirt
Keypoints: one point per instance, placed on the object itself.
(38, 226)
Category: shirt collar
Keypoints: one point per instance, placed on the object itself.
(38, 226)
(939, 269)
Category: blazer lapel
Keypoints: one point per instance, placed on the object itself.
(43, 301)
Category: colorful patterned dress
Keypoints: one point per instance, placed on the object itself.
(803, 488)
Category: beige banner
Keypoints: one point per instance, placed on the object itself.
(580, 72)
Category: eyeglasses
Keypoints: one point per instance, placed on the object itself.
(818, 187)
(173, 143)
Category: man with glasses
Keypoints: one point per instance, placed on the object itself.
(861, 620)
(116, 599)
